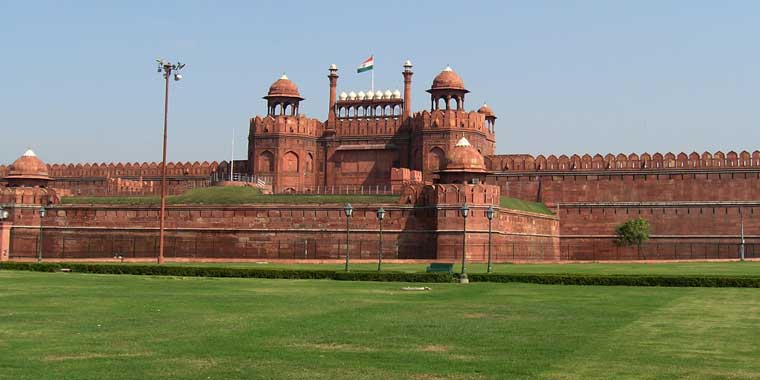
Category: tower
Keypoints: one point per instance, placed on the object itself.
(282, 146)
(333, 76)
(407, 89)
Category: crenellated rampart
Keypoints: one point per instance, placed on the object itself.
(633, 161)
(290, 125)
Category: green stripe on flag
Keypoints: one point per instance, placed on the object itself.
(363, 69)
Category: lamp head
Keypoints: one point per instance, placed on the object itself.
(43, 212)
(349, 210)
(490, 212)
(381, 213)
(3, 214)
(464, 210)
(177, 77)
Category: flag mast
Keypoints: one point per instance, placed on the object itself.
(373, 73)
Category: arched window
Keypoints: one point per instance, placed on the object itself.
(440, 104)
(436, 159)
(266, 162)
(290, 162)
(309, 163)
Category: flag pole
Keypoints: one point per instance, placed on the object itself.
(373, 74)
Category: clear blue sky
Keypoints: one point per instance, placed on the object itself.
(79, 81)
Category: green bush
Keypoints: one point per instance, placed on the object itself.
(621, 280)
(554, 279)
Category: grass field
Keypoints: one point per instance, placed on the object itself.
(250, 195)
(747, 268)
(77, 326)
(521, 205)
(233, 195)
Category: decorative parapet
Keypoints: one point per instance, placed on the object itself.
(657, 161)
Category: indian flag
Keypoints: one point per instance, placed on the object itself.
(366, 65)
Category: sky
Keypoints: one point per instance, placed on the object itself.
(78, 81)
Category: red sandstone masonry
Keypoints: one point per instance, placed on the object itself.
(574, 163)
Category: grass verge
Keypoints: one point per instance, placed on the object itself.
(521, 205)
(234, 195)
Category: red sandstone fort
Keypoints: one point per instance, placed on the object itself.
(700, 205)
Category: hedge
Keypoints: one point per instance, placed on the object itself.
(161, 270)
(543, 278)
(622, 280)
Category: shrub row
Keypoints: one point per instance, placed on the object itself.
(622, 280)
(543, 278)
(189, 271)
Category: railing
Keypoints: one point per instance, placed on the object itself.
(261, 180)
(349, 189)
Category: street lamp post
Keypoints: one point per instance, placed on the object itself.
(167, 68)
(349, 210)
(380, 217)
(465, 211)
(489, 214)
(42, 213)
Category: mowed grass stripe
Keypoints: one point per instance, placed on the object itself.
(191, 328)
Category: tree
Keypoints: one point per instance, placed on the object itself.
(633, 232)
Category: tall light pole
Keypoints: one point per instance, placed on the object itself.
(489, 214)
(380, 217)
(42, 213)
(465, 211)
(741, 247)
(349, 210)
(167, 68)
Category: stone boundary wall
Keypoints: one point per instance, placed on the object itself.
(675, 186)
(280, 232)
(683, 230)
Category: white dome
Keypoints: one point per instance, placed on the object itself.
(370, 95)
(408, 63)
(378, 94)
(361, 95)
(333, 67)
(387, 94)
(343, 95)
(351, 95)
(396, 94)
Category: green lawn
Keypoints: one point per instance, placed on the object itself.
(78, 326)
(521, 205)
(233, 195)
(748, 268)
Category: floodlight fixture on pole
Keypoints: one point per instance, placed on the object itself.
(465, 211)
(380, 217)
(167, 68)
(489, 214)
(349, 211)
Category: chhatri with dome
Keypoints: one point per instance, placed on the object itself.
(368, 132)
